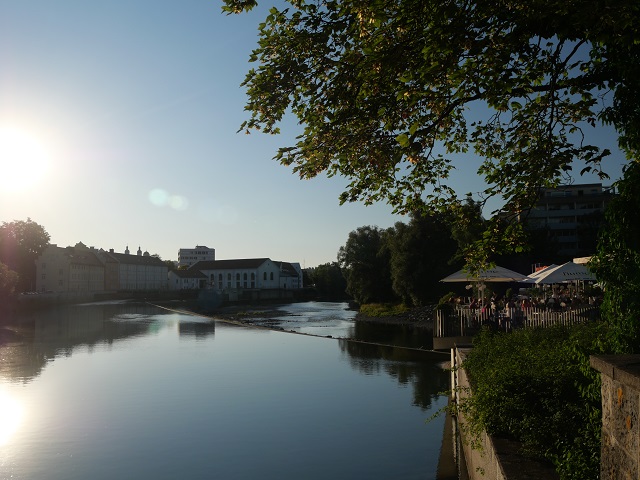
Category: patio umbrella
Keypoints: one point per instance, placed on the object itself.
(535, 275)
(567, 272)
(495, 274)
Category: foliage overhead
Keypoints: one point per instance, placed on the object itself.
(391, 92)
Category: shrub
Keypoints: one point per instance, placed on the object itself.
(382, 309)
(536, 386)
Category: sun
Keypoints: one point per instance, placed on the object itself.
(23, 160)
(10, 417)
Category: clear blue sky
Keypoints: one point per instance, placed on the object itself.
(135, 106)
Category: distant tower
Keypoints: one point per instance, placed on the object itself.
(139, 251)
(126, 250)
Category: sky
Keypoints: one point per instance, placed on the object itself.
(126, 114)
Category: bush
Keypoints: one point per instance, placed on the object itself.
(536, 386)
(382, 309)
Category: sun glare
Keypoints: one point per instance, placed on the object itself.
(10, 417)
(23, 160)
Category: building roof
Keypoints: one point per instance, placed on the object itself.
(136, 259)
(286, 269)
(82, 256)
(188, 274)
(241, 263)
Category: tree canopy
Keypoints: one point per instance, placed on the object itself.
(420, 257)
(394, 94)
(364, 261)
(21, 241)
(617, 263)
(329, 281)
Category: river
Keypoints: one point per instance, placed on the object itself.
(125, 390)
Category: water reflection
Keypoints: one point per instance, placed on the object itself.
(11, 413)
(172, 396)
(400, 335)
(421, 370)
(30, 340)
(199, 330)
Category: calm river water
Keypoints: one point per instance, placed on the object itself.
(120, 390)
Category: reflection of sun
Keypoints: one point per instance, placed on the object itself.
(23, 161)
(10, 417)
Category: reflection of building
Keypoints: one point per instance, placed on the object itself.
(191, 256)
(572, 214)
(84, 269)
(250, 273)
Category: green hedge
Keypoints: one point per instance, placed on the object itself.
(536, 386)
(383, 309)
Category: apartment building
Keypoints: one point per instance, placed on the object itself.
(572, 215)
(191, 256)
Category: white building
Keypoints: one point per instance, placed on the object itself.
(191, 256)
(250, 273)
(186, 280)
(290, 275)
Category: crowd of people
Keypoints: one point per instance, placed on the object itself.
(510, 311)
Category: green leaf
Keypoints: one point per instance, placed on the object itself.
(403, 140)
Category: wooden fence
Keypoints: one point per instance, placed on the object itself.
(462, 321)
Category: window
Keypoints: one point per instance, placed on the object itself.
(264, 276)
(220, 279)
(271, 276)
(229, 278)
(253, 276)
(237, 277)
(245, 277)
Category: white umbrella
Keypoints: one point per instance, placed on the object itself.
(535, 275)
(567, 272)
(495, 274)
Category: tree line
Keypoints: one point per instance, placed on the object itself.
(405, 263)
(400, 264)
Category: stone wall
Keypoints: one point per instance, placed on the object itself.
(620, 376)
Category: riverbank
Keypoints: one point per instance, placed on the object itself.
(420, 317)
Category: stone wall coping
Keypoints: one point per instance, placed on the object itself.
(622, 368)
